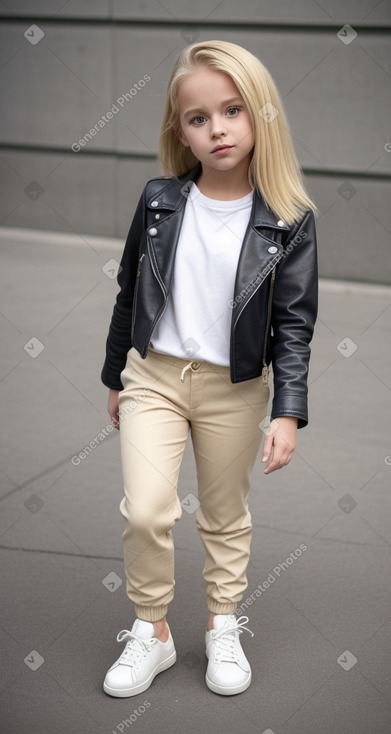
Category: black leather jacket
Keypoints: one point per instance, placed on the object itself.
(274, 304)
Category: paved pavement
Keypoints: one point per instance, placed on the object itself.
(321, 540)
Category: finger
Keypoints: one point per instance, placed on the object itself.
(280, 459)
(267, 447)
(269, 461)
(115, 421)
(277, 459)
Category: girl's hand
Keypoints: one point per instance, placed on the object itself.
(280, 443)
(112, 407)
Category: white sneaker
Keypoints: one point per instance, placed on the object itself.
(228, 670)
(144, 656)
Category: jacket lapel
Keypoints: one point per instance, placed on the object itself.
(261, 250)
(261, 247)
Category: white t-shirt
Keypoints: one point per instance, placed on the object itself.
(197, 319)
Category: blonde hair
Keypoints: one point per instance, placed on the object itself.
(274, 168)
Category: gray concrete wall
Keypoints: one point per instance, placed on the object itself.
(54, 88)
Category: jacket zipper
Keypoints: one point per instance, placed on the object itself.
(139, 265)
(134, 304)
(159, 316)
(265, 369)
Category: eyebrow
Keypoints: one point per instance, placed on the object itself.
(223, 104)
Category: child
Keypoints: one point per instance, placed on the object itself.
(218, 280)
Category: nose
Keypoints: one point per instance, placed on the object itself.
(218, 128)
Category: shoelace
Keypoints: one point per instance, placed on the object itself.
(225, 649)
(135, 649)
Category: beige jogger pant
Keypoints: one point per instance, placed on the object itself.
(157, 410)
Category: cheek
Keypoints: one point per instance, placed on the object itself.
(248, 122)
(250, 133)
(181, 136)
(195, 140)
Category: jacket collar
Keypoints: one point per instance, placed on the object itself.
(261, 247)
(172, 196)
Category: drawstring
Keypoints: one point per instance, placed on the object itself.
(188, 366)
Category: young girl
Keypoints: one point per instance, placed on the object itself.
(218, 281)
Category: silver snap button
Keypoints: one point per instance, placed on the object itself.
(153, 231)
(154, 203)
(272, 249)
(157, 216)
(281, 223)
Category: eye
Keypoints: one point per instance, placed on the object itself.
(198, 120)
(233, 111)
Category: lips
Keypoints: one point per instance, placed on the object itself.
(221, 147)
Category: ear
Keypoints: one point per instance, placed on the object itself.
(181, 136)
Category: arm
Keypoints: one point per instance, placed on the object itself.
(113, 408)
(280, 443)
(119, 338)
(294, 312)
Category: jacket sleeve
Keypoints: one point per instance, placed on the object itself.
(294, 312)
(119, 338)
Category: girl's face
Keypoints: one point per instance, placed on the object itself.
(214, 121)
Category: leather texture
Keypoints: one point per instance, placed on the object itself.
(267, 327)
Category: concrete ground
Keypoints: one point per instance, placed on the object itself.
(321, 556)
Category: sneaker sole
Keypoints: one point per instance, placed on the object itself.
(135, 690)
(227, 690)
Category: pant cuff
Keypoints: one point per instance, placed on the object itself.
(218, 608)
(150, 614)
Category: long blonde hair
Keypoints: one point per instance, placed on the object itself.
(274, 168)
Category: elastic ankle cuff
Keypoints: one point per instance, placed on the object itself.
(150, 614)
(218, 608)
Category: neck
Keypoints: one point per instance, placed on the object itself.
(224, 185)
